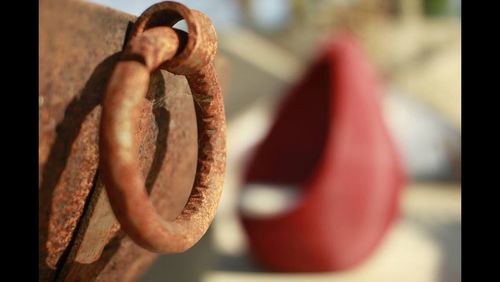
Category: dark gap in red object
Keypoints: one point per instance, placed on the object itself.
(293, 148)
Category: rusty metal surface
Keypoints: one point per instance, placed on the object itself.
(148, 49)
(79, 47)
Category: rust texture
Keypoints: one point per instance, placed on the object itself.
(69, 94)
(79, 46)
(154, 44)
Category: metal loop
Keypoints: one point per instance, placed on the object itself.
(150, 47)
(201, 43)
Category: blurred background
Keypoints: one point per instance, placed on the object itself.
(264, 48)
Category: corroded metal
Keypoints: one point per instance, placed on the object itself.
(154, 44)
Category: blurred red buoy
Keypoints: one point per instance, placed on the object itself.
(329, 141)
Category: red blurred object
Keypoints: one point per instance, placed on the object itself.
(329, 138)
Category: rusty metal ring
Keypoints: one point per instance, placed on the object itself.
(150, 47)
(201, 42)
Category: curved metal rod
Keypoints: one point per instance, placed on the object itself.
(124, 183)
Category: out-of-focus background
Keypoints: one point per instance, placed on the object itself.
(264, 47)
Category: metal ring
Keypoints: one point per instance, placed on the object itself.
(201, 42)
(150, 47)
